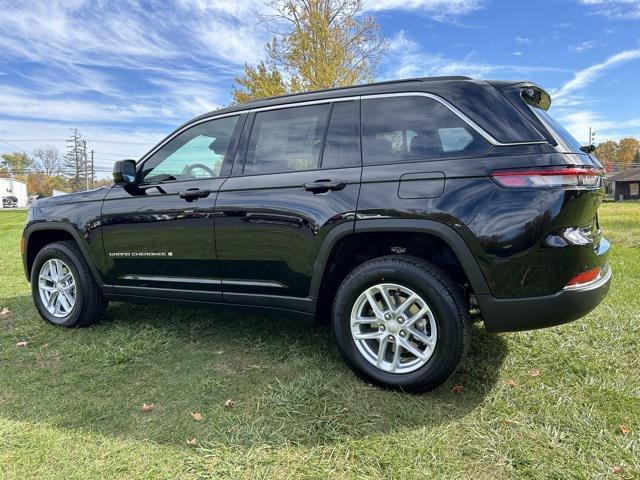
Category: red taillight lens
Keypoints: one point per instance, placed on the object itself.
(552, 177)
(585, 277)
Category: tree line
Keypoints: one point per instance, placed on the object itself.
(46, 169)
(616, 156)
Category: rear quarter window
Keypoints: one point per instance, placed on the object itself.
(409, 128)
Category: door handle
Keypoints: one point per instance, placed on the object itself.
(323, 186)
(193, 194)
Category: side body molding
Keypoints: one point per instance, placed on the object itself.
(432, 227)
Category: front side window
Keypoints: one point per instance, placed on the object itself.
(286, 140)
(198, 152)
(396, 129)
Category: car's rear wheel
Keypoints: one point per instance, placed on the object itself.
(63, 288)
(400, 322)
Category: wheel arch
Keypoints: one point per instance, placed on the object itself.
(38, 236)
(438, 230)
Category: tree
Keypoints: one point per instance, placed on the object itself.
(318, 44)
(16, 164)
(259, 82)
(607, 151)
(75, 162)
(48, 159)
(43, 185)
(627, 150)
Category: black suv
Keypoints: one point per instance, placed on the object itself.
(396, 209)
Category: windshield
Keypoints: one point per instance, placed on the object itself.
(565, 140)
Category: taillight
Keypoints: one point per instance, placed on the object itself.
(552, 177)
(585, 277)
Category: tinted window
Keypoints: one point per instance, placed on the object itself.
(396, 129)
(562, 136)
(195, 153)
(286, 140)
(342, 146)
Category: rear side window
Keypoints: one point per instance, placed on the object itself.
(396, 129)
(342, 146)
(286, 140)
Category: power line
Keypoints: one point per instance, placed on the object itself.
(37, 140)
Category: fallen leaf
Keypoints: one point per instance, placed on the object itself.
(230, 403)
(617, 470)
(147, 407)
(4, 312)
(534, 373)
(192, 441)
(197, 416)
(457, 389)
(21, 344)
(45, 345)
(511, 383)
(624, 429)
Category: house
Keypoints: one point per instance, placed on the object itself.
(626, 184)
(17, 190)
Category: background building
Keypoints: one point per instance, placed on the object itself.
(626, 185)
(10, 187)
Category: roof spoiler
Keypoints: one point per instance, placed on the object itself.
(530, 92)
(536, 96)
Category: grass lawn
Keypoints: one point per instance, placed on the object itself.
(542, 404)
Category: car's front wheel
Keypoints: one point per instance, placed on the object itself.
(401, 322)
(63, 288)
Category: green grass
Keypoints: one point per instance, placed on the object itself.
(70, 400)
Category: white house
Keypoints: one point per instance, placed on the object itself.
(10, 187)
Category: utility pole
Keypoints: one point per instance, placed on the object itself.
(86, 174)
(75, 154)
(93, 176)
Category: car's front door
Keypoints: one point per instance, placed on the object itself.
(288, 189)
(158, 233)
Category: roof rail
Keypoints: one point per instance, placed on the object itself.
(386, 82)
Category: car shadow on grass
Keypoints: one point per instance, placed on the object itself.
(285, 379)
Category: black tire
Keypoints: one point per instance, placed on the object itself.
(90, 304)
(445, 300)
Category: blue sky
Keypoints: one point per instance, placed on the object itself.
(127, 73)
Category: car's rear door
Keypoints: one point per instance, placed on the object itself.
(288, 189)
(159, 232)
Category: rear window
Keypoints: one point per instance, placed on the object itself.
(565, 140)
(405, 128)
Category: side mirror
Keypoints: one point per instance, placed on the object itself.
(124, 172)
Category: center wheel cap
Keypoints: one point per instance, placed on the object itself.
(393, 327)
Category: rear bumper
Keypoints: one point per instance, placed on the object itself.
(571, 303)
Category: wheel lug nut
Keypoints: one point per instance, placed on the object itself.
(387, 316)
(400, 319)
(390, 338)
(382, 328)
(403, 333)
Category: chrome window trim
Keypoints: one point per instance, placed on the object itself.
(481, 131)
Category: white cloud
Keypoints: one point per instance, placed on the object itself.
(440, 9)
(576, 111)
(583, 46)
(619, 9)
(522, 40)
(587, 76)
(407, 59)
